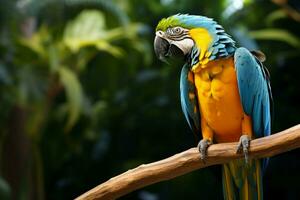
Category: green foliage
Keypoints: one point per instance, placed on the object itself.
(275, 15)
(88, 29)
(36, 42)
(74, 94)
(276, 34)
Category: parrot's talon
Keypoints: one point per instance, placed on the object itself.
(202, 147)
(243, 146)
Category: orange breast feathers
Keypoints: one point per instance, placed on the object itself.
(222, 115)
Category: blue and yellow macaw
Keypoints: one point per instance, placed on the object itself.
(225, 94)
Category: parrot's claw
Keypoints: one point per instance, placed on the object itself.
(202, 146)
(243, 146)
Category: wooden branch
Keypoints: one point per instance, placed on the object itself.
(189, 161)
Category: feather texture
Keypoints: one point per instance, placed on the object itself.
(255, 92)
(189, 100)
(212, 43)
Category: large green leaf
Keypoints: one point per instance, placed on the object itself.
(276, 34)
(88, 29)
(74, 94)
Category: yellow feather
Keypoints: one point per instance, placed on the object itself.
(202, 39)
(228, 183)
(208, 54)
(258, 179)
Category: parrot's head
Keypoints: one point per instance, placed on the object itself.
(196, 38)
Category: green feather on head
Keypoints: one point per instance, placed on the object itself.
(171, 22)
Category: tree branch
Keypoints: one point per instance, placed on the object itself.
(189, 161)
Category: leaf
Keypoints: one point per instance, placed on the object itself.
(53, 58)
(275, 15)
(113, 50)
(88, 29)
(110, 6)
(36, 42)
(85, 30)
(130, 32)
(74, 95)
(276, 34)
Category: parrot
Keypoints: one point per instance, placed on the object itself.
(225, 94)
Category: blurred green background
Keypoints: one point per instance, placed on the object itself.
(83, 97)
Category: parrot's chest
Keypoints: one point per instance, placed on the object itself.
(219, 98)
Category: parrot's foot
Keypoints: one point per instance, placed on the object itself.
(202, 146)
(244, 145)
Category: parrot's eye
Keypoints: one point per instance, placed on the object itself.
(177, 30)
(173, 31)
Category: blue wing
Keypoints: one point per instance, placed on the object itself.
(189, 100)
(255, 91)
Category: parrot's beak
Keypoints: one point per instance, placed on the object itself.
(163, 49)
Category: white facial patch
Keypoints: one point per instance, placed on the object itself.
(185, 45)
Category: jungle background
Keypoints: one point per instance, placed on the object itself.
(83, 97)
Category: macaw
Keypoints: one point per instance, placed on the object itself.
(225, 94)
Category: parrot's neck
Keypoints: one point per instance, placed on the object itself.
(210, 46)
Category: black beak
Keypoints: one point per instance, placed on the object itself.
(163, 49)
